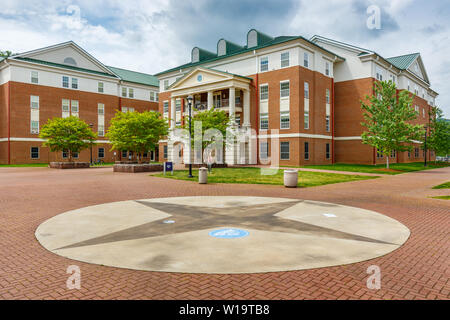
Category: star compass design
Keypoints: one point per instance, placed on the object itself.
(193, 218)
(221, 234)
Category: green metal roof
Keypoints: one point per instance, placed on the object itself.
(244, 49)
(403, 62)
(136, 77)
(65, 66)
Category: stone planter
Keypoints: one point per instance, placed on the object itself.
(203, 175)
(126, 162)
(134, 167)
(290, 178)
(69, 165)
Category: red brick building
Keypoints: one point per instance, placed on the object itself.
(59, 81)
(296, 95)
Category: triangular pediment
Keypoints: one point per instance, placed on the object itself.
(68, 53)
(201, 76)
(418, 69)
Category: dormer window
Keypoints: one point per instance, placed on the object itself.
(70, 61)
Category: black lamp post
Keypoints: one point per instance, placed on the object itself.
(91, 126)
(189, 99)
(425, 145)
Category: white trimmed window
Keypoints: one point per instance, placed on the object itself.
(264, 64)
(74, 83)
(65, 108)
(34, 152)
(284, 151)
(306, 59)
(327, 123)
(130, 109)
(306, 90)
(166, 84)
(101, 86)
(263, 150)
(34, 127)
(284, 120)
(306, 150)
(65, 153)
(264, 121)
(101, 152)
(34, 102)
(152, 96)
(327, 151)
(101, 130)
(74, 107)
(34, 77)
(124, 92)
(165, 106)
(327, 96)
(65, 82)
(285, 59)
(284, 89)
(264, 92)
(130, 92)
(101, 109)
(327, 68)
(306, 119)
(178, 105)
(157, 96)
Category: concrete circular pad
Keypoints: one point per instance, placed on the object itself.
(221, 234)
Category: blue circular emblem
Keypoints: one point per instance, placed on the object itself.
(229, 233)
(199, 78)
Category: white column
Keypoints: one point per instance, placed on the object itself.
(172, 113)
(210, 100)
(246, 108)
(232, 104)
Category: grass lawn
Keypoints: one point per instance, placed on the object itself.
(24, 165)
(442, 197)
(445, 185)
(253, 176)
(394, 168)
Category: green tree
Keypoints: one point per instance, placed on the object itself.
(67, 134)
(387, 118)
(439, 138)
(137, 132)
(5, 54)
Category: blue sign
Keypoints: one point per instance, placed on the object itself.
(229, 233)
(168, 166)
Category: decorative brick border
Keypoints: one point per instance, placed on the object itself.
(133, 168)
(69, 165)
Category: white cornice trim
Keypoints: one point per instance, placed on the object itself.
(347, 138)
(294, 135)
(14, 139)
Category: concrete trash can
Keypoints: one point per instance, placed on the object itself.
(290, 178)
(203, 175)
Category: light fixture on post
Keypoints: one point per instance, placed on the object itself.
(189, 100)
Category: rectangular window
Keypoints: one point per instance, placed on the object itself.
(157, 96)
(34, 152)
(75, 107)
(306, 60)
(124, 109)
(416, 152)
(74, 83)
(264, 92)
(165, 106)
(178, 105)
(34, 102)
(130, 109)
(284, 150)
(306, 150)
(65, 82)
(409, 154)
(327, 96)
(101, 152)
(124, 154)
(285, 59)
(264, 64)
(264, 121)
(75, 155)
(263, 150)
(393, 154)
(379, 154)
(165, 152)
(65, 154)
(34, 127)
(34, 77)
(327, 68)
(152, 96)
(65, 108)
(306, 90)
(327, 123)
(284, 120)
(101, 109)
(306, 119)
(101, 130)
(124, 92)
(101, 87)
(327, 151)
(130, 92)
(166, 84)
(284, 89)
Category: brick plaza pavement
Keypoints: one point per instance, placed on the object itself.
(29, 196)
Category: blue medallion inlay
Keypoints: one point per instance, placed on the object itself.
(229, 233)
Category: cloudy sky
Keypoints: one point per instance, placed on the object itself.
(154, 35)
